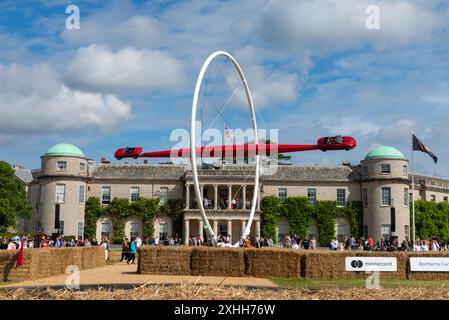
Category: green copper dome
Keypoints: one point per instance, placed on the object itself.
(65, 149)
(384, 152)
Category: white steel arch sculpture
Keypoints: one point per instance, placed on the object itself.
(193, 156)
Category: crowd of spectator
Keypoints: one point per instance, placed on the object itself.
(129, 247)
(43, 241)
(391, 244)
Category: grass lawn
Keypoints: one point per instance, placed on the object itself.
(4, 283)
(350, 283)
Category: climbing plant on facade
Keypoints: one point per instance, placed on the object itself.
(270, 216)
(298, 211)
(119, 210)
(147, 209)
(354, 212)
(92, 213)
(173, 210)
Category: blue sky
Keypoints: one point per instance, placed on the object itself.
(126, 77)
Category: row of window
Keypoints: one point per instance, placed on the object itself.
(134, 194)
(60, 193)
(61, 190)
(62, 166)
(385, 168)
(106, 229)
(311, 194)
(386, 199)
(433, 198)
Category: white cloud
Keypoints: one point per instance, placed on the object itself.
(110, 26)
(351, 125)
(331, 25)
(268, 85)
(397, 133)
(34, 100)
(98, 68)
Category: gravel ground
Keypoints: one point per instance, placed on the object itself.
(190, 291)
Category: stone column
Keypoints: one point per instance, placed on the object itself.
(229, 196)
(258, 199)
(186, 232)
(200, 229)
(215, 197)
(215, 226)
(244, 197)
(187, 196)
(243, 227)
(230, 227)
(258, 228)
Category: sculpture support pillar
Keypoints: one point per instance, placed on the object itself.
(244, 197)
(229, 196)
(215, 196)
(186, 232)
(187, 196)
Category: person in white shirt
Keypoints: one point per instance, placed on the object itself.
(435, 246)
(313, 243)
(138, 241)
(11, 245)
(424, 246)
(416, 246)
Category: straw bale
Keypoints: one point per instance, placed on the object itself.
(164, 260)
(227, 262)
(270, 262)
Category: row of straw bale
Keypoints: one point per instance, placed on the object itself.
(40, 263)
(270, 263)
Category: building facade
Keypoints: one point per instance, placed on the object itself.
(381, 182)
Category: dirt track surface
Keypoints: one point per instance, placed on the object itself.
(122, 273)
(207, 292)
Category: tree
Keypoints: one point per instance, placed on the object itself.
(431, 219)
(13, 199)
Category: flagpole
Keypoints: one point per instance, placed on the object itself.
(413, 194)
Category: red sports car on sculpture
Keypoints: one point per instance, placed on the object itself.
(336, 142)
(323, 144)
(128, 152)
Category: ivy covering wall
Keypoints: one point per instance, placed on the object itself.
(270, 216)
(121, 209)
(298, 211)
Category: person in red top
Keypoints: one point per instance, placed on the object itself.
(44, 243)
(370, 242)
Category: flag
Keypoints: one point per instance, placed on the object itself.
(419, 146)
(227, 132)
(19, 261)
